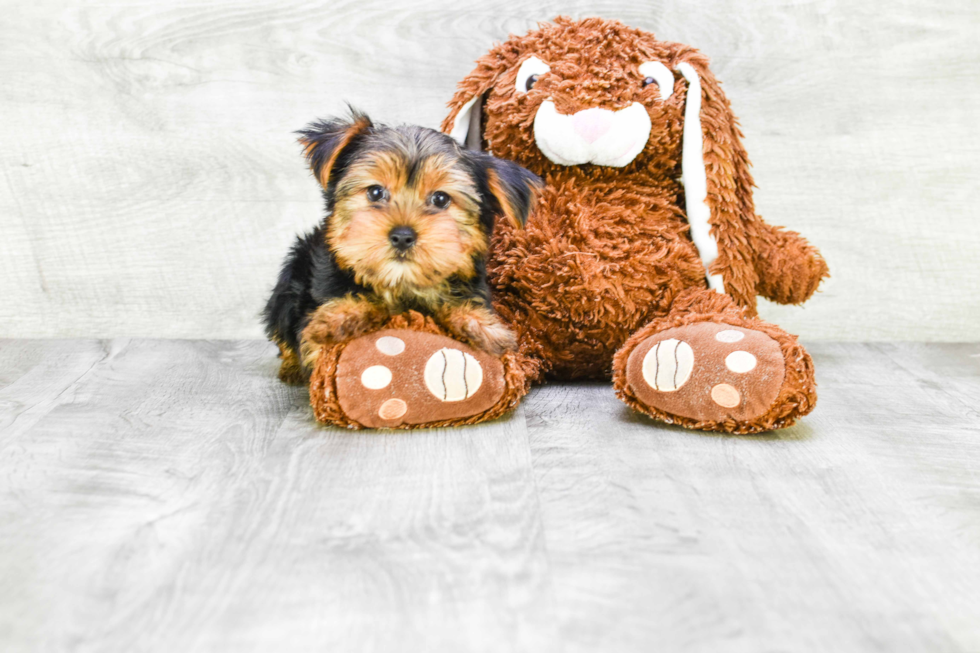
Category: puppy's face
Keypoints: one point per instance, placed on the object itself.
(408, 207)
(407, 214)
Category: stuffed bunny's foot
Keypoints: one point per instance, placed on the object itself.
(722, 372)
(408, 378)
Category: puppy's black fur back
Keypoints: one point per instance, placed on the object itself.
(309, 277)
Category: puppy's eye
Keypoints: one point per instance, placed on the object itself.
(529, 72)
(650, 80)
(376, 193)
(439, 199)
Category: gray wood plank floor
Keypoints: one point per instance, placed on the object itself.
(173, 496)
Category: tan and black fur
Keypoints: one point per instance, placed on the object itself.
(409, 220)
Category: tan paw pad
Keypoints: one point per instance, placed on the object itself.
(725, 395)
(376, 377)
(668, 364)
(452, 375)
(390, 345)
(707, 371)
(392, 409)
(398, 376)
(729, 335)
(741, 362)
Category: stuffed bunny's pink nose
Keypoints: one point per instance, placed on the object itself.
(591, 124)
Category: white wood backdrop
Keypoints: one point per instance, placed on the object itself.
(151, 183)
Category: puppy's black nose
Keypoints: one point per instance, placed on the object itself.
(401, 238)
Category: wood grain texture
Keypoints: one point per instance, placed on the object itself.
(856, 530)
(151, 184)
(173, 496)
(176, 497)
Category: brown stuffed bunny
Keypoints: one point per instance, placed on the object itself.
(643, 257)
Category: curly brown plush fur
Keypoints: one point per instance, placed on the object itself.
(323, 388)
(607, 249)
(606, 259)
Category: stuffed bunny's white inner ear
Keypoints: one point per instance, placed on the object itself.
(466, 126)
(695, 179)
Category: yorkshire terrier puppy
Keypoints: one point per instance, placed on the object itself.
(409, 215)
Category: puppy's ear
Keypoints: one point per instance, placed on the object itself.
(324, 140)
(516, 189)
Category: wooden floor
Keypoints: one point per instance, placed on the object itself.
(172, 496)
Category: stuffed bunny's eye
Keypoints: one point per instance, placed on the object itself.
(529, 72)
(654, 72)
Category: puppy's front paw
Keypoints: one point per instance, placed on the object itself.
(353, 326)
(495, 338)
(337, 321)
(290, 370)
(481, 328)
(340, 320)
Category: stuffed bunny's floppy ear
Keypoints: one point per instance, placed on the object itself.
(718, 184)
(465, 120)
(466, 124)
(694, 178)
